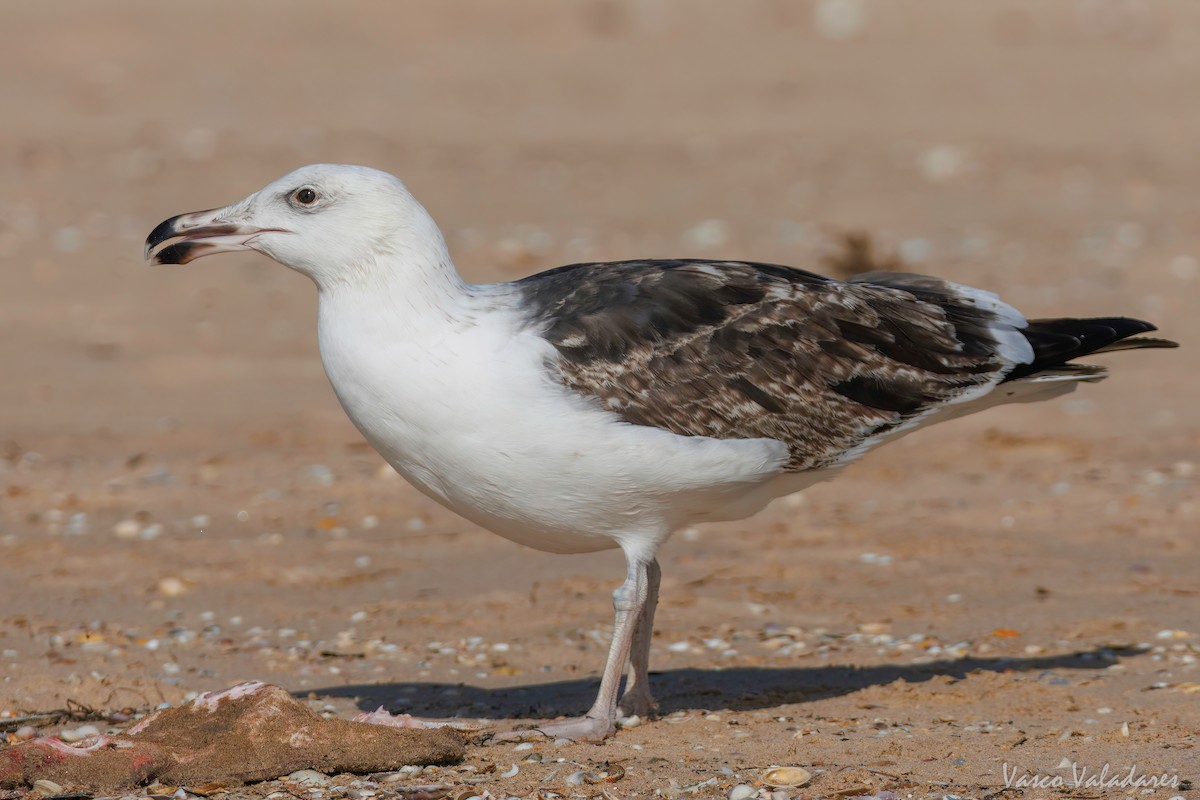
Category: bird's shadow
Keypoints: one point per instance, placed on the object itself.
(737, 688)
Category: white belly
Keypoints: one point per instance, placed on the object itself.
(471, 419)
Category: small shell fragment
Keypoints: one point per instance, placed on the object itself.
(611, 774)
(47, 787)
(511, 772)
(674, 792)
(788, 777)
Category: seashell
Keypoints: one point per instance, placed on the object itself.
(511, 772)
(309, 777)
(787, 777)
(741, 792)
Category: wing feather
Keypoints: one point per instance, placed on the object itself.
(745, 350)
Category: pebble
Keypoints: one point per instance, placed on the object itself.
(78, 524)
(320, 474)
(159, 477)
(25, 732)
(127, 529)
(524, 746)
(943, 162)
(1172, 634)
(172, 587)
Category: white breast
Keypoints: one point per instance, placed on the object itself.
(466, 410)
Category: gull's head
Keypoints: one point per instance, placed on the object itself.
(332, 222)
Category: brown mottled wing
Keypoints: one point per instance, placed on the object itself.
(742, 350)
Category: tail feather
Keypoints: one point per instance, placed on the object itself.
(1057, 341)
(1140, 343)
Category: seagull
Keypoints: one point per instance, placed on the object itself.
(606, 405)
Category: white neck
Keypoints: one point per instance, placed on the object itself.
(411, 287)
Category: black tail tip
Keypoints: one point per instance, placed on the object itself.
(1057, 341)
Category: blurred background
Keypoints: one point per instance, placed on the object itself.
(1045, 150)
(169, 448)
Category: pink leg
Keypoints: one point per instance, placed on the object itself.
(630, 601)
(637, 699)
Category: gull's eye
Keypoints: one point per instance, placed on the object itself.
(305, 196)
